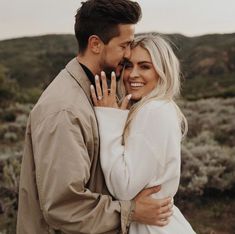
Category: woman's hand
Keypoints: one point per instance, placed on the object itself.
(107, 97)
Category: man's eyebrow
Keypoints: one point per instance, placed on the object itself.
(127, 43)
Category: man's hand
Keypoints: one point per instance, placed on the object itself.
(152, 211)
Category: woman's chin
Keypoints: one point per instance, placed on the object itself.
(135, 97)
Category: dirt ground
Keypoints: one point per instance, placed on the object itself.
(210, 216)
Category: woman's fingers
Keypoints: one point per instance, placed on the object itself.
(93, 95)
(98, 88)
(101, 95)
(104, 84)
(113, 84)
(125, 102)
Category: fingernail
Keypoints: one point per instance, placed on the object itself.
(99, 97)
(92, 87)
(113, 73)
(96, 77)
(129, 96)
(102, 73)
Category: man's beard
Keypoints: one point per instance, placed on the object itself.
(109, 69)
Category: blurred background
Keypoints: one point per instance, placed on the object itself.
(36, 42)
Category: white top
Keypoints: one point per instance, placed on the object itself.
(150, 156)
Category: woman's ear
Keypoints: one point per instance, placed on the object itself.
(95, 44)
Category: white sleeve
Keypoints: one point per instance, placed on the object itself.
(129, 168)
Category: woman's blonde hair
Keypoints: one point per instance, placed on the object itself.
(167, 67)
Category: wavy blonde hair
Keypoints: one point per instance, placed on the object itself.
(167, 67)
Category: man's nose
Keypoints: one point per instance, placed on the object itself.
(127, 53)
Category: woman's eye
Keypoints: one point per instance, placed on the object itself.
(145, 67)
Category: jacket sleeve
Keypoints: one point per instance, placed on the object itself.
(131, 167)
(62, 171)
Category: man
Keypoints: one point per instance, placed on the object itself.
(62, 188)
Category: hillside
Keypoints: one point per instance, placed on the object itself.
(208, 62)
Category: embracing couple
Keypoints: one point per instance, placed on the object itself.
(96, 149)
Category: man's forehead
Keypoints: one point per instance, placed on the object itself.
(127, 31)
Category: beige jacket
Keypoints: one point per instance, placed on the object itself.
(61, 185)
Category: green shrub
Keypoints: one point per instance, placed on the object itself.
(208, 154)
(10, 137)
(9, 184)
(9, 117)
(207, 167)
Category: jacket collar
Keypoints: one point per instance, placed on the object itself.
(77, 72)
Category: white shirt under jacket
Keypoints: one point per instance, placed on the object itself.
(150, 156)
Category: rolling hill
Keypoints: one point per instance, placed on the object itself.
(208, 62)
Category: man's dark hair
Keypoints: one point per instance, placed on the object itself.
(102, 17)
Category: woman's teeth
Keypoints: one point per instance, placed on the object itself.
(136, 84)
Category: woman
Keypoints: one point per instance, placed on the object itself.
(140, 147)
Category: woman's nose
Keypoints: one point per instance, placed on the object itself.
(134, 72)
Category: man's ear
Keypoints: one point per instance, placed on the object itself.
(95, 44)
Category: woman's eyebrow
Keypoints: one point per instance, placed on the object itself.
(141, 62)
